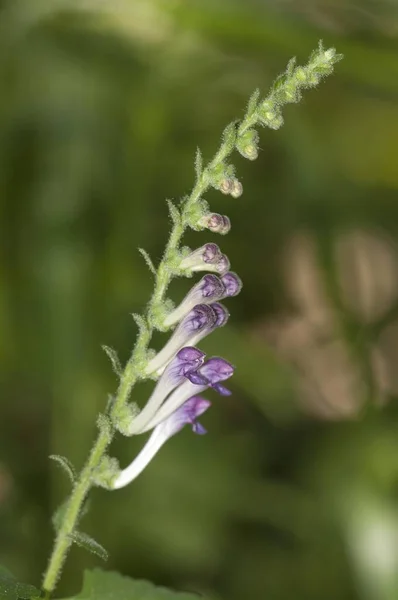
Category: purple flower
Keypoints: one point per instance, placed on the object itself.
(198, 323)
(206, 258)
(186, 414)
(207, 290)
(232, 283)
(188, 359)
(208, 375)
(195, 326)
(211, 373)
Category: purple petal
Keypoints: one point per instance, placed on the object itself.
(200, 317)
(221, 389)
(199, 429)
(197, 378)
(190, 354)
(221, 314)
(211, 253)
(232, 284)
(212, 287)
(216, 369)
(187, 414)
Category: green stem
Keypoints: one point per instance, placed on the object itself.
(64, 539)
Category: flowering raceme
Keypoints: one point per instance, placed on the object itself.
(182, 371)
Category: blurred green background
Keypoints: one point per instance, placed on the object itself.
(294, 491)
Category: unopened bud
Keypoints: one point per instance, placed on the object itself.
(216, 223)
(237, 189)
(226, 186)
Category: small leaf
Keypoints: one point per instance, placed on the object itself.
(174, 212)
(229, 137)
(87, 542)
(198, 163)
(290, 67)
(112, 354)
(66, 465)
(252, 104)
(148, 260)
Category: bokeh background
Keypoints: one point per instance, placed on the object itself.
(294, 491)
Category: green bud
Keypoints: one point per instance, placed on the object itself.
(247, 144)
(123, 417)
(195, 214)
(300, 75)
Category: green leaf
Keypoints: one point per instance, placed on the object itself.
(89, 543)
(103, 585)
(148, 260)
(11, 588)
(174, 212)
(66, 465)
(112, 354)
(252, 104)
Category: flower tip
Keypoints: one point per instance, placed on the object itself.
(232, 283)
(223, 264)
(217, 369)
(221, 314)
(200, 317)
(211, 253)
(190, 354)
(212, 287)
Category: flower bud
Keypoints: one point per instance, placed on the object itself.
(216, 223)
(200, 258)
(226, 186)
(209, 289)
(247, 144)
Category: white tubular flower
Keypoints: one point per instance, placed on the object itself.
(186, 414)
(207, 258)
